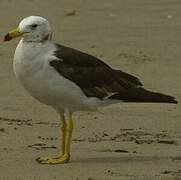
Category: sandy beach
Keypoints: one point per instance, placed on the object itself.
(125, 141)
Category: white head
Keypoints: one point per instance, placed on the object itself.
(32, 29)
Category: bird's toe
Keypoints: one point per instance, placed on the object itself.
(56, 160)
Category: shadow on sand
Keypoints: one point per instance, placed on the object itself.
(121, 159)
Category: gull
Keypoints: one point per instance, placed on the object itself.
(69, 80)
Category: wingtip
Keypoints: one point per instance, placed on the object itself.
(175, 101)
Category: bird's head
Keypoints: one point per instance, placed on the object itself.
(31, 29)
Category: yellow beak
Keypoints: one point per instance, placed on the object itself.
(13, 34)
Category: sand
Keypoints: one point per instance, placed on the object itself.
(126, 141)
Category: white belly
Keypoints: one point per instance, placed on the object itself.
(45, 84)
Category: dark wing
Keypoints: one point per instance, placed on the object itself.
(130, 78)
(94, 77)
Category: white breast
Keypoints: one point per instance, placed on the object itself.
(31, 67)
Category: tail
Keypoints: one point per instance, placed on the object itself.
(143, 95)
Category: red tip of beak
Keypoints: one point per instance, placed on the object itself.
(7, 37)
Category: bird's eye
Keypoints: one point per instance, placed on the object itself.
(34, 25)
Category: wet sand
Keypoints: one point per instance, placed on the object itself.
(126, 141)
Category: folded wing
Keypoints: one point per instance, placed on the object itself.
(97, 79)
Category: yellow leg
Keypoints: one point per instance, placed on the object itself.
(68, 137)
(67, 128)
(63, 131)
